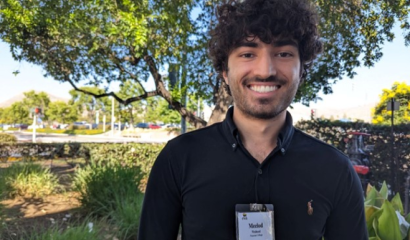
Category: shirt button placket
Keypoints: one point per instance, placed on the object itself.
(260, 171)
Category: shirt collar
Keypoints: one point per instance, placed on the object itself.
(284, 137)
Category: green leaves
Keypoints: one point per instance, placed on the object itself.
(108, 42)
(384, 218)
(388, 224)
(401, 93)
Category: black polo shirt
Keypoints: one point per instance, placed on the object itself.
(200, 176)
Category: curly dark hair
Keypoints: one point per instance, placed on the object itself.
(267, 20)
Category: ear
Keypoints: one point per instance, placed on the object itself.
(225, 76)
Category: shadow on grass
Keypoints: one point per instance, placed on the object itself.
(16, 226)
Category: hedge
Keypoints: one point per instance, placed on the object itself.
(142, 155)
(335, 133)
(7, 138)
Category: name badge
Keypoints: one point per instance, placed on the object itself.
(254, 222)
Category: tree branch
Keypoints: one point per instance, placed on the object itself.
(163, 92)
(112, 94)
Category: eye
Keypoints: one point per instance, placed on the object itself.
(247, 55)
(284, 54)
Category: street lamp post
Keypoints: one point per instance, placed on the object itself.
(393, 105)
(112, 116)
(34, 127)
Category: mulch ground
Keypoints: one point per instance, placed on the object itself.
(28, 214)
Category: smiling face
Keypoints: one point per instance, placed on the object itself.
(263, 78)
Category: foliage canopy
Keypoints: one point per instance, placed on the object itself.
(401, 93)
(100, 43)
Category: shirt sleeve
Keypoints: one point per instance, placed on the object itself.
(162, 209)
(347, 219)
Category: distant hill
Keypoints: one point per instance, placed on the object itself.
(20, 97)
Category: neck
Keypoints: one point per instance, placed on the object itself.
(259, 136)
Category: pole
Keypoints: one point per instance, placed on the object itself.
(184, 95)
(406, 195)
(34, 127)
(393, 163)
(199, 108)
(112, 116)
(104, 123)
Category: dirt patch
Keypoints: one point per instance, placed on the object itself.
(28, 214)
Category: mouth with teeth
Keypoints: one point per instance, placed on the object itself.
(263, 88)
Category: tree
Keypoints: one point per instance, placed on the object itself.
(16, 113)
(105, 42)
(36, 100)
(62, 112)
(87, 105)
(133, 110)
(165, 114)
(1, 115)
(401, 93)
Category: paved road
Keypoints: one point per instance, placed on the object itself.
(148, 137)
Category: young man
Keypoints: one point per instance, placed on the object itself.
(202, 180)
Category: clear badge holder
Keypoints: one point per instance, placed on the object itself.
(254, 222)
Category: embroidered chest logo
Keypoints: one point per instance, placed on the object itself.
(309, 207)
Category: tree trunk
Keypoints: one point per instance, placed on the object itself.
(223, 101)
(163, 92)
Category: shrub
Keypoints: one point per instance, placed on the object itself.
(127, 215)
(7, 138)
(27, 179)
(131, 154)
(385, 220)
(101, 187)
(2, 219)
(111, 190)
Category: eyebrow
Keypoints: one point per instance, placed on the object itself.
(285, 42)
(278, 43)
(247, 44)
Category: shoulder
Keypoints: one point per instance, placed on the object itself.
(208, 135)
(306, 142)
(318, 154)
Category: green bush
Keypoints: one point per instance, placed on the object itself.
(130, 154)
(100, 186)
(127, 215)
(141, 155)
(385, 219)
(111, 190)
(27, 179)
(7, 138)
(2, 219)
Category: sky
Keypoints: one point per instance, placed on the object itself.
(364, 88)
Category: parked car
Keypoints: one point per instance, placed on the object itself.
(21, 126)
(122, 126)
(142, 125)
(173, 125)
(153, 126)
(36, 126)
(79, 123)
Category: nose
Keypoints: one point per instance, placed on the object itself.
(265, 66)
